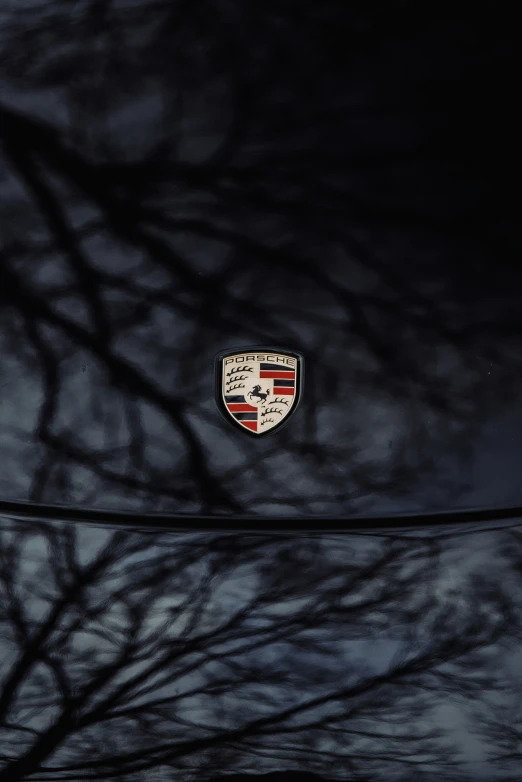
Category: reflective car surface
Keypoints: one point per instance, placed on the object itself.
(178, 598)
(132, 653)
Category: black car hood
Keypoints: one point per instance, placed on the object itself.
(161, 208)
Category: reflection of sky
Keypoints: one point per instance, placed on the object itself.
(347, 657)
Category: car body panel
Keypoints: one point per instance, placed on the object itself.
(128, 650)
(178, 598)
(144, 237)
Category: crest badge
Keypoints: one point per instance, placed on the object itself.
(258, 389)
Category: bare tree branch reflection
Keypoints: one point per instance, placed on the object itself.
(126, 653)
(498, 716)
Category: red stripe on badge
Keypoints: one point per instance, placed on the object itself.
(249, 425)
(274, 373)
(241, 407)
(284, 391)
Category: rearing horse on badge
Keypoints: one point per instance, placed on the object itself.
(256, 391)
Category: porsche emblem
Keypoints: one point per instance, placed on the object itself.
(258, 389)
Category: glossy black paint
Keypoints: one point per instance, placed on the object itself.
(194, 655)
(166, 202)
(179, 179)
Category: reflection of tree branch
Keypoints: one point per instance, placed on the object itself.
(200, 227)
(498, 717)
(123, 372)
(211, 656)
(104, 196)
(63, 234)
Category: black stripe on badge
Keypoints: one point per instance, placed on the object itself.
(277, 367)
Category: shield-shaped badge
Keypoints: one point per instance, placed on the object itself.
(258, 389)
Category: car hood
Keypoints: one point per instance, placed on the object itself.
(144, 237)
